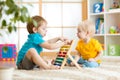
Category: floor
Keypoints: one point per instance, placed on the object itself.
(109, 70)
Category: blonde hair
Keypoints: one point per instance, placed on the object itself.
(87, 26)
(39, 21)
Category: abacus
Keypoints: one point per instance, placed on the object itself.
(63, 54)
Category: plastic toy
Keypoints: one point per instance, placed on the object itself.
(112, 29)
(116, 4)
(7, 52)
(63, 54)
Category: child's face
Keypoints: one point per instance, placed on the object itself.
(42, 29)
(81, 34)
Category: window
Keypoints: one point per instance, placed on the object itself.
(62, 16)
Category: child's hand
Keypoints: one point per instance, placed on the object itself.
(53, 60)
(63, 38)
(68, 42)
(91, 59)
(54, 67)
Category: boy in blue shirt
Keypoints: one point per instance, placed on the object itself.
(29, 54)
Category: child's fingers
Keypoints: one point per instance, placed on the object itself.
(68, 42)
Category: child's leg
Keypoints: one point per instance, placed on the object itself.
(91, 64)
(69, 61)
(86, 63)
(81, 61)
(26, 64)
(35, 57)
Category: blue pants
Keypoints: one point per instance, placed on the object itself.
(85, 63)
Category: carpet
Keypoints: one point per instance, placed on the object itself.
(108, 70)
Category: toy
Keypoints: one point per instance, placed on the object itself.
(103, 8)
(63, 54)
(116, 4)
(114, 50)
(98, 7)
(112, 29)
(118, 28)
(7, 52)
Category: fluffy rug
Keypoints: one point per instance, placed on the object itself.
(109, 70)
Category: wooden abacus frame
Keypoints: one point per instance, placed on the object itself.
(68, 55)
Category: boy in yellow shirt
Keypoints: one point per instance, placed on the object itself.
(89, 49)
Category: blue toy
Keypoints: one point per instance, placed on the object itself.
(98, 7)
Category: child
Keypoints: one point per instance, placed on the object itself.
(28, 56)
(89, 49)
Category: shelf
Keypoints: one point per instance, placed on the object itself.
(114, 10)
(107, 18)
(117, 12)
(99, 35)
(112, 34)
(93, 14)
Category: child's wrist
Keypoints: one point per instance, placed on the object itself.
(95, 59)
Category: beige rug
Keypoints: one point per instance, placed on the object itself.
(109, 70)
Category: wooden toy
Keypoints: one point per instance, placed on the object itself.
(7, 52)
(63, 54)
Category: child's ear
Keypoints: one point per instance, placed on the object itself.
(87, 32)
(34, 29)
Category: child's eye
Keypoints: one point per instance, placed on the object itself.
(44, 28)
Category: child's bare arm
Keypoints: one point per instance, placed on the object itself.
(52, 46)
(97, 57)
(54, 40)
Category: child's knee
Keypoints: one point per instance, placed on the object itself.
(31, 52)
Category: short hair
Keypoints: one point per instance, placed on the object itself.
(87, 26)
(35, 19)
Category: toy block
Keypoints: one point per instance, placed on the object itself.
(98, 7)
(63, 54)
(8, 52)
(114, 50)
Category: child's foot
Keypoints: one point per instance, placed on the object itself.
(80, 65)
(54, 67)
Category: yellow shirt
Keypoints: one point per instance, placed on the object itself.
(90, 49)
